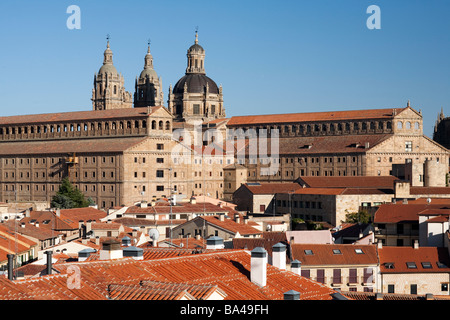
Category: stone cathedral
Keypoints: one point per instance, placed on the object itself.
(121, 151)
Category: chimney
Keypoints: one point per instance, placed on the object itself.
(97, 240)
(214, 243)
(279, 256)
(153, 203)
(378, 296)
(84, 254)
(49, 261)
(296, 267)
(258, 272)
(111, 250)
(367, 145)
(222, 217)
(58, 212)
(416, 244)
(193, 200)
(22, 224)
(135, 253)
(134, 233)
(27, 213)
(126, 241)
(291, 295)
(144, 204)
(237, 218)
(429, 296)
(10, 266)
(379, 244)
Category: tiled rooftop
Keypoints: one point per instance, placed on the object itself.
(228, 270)
(314, 116)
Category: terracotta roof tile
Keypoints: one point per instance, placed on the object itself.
(314, 116)
(231, 225)
(401, 256)
(228, 270)
(271, 188)
(398, 212)
(322, 254)
(69, 146)
(379, 182)
(76, 116)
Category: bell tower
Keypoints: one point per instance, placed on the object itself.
(148, 87)
(109, 90)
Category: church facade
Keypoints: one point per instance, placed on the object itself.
(123, 150)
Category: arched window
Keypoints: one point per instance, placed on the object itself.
(120, 125)
(153, 125)
(144, 124)
(408, 125)
(416, 126)
(128, 124)
(160, 125)
(167, 125)
(58, 128)
(399, 125)
(114, 125)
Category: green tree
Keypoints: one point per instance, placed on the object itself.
(69, 197)
(361, 216)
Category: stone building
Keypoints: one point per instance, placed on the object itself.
(148, 87)
(109, 89)
(343, 143)
(196, 97)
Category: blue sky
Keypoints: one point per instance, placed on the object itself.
(270, 56)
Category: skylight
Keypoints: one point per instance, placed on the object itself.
(337, 251)
(426, 265)
(411, 265)
(308, 252)
(359, 251)
(389, 265)
(441, 265)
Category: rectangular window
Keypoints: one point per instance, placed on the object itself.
(391, 288)
(408, 146)
(353, 276)
(196, 109)
(368, 275)
(337, 276)
(160, 173)
(306, 273)
(160, 146)
(159, 188)
(320, 275)
(413, 289)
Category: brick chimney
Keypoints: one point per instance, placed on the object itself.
(258, 272)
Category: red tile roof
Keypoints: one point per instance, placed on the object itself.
(398, 212)
(322, 254)
(314, 116)
(77, 116)
(10, 242)
(198, 207)
(228, 270)
(69, 146)
(231, 226)
(379, 182)
(271, 188)
(430, 190)
(400, 256)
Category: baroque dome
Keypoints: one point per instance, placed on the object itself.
(196, 83)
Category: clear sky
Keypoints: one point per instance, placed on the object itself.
(270, 56)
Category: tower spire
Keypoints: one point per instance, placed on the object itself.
(196, 35)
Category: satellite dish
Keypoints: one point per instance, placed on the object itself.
(269, 227)
(153, 234)
(428, 200)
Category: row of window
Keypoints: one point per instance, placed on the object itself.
(299, 204)
(84, 127)
(42, 187)
(330, 127)
(337, 278)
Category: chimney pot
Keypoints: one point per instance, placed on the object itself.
(279, 256)
(258, 272)
(49, 261)
(291, 295)
(296, 267)
(10, 266)
(416, 244)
